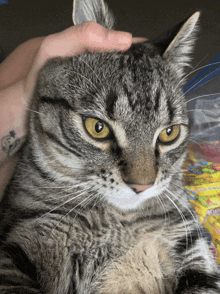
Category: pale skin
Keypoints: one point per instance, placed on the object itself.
(18, 74)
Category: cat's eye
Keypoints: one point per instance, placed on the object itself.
(169, 134)
(96, 128)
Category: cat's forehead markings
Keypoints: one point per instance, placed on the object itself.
(122, 106)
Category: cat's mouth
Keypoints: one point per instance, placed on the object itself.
(140, 188)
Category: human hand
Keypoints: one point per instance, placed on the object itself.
(18, 75)
(86, 37)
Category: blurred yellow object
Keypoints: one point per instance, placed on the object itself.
(212, 224)
(204, 198)
(201, 180)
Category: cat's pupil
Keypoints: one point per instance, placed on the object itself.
(99, 127)
(169, 131)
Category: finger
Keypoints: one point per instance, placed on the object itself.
(95, 38)
(86, 37)
(138, 40)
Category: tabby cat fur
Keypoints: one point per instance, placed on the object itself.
(96, 204)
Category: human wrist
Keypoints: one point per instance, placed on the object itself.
(13, 118)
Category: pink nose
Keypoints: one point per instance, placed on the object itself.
(140, 188)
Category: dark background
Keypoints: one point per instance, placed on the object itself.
(21, 20)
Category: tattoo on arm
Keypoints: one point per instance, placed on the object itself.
(10, 142)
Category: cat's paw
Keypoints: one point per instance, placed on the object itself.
(145, 268)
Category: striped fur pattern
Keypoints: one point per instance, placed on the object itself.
(72, 220)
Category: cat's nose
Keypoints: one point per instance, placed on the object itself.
(140, 171)
(140, 188)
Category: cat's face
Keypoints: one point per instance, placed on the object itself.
(114, 125)
(116, 122)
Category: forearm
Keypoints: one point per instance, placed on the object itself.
(14, 102)
(12, 129)
(12, 119)
(18, 74)
(18, 64)
(13, 96)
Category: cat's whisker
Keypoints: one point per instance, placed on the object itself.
(183, 204)
(72, 209)
(63, 190)
(201, 110)
(201, 96)
(96, 200)
(196, 67)
(65, 195)
(160, 200)
(65, 202)
(193, 137)
(182, 216)
(99, 198)
(199, 82)
(190, 139)
(54, 200)
(199, 232)
(195, 70)
(72, 187)
(89, 199)
(211, 128)
(59, 187)
(35, 111)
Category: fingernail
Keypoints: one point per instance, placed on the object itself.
(122, 38)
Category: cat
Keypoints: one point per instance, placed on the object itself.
(96, 203)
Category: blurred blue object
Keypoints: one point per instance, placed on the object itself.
(207, 73)
(203, 98)
(3, 2)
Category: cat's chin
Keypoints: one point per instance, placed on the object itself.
(127, 199)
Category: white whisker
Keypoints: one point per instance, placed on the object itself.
(207, 95)
(183, 218)
(199, 82)
(201, 110)
(67, 201)
(196, 67)
(34, 111)
(160, 200)
(193, 216)
(194, 141)
(195, 70)
(72, 209)
(98, 199)
(66, 195)
(90, 198)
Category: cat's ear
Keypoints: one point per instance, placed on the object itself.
(92, 10)
(177, 44)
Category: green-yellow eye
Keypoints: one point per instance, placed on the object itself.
(169, 134)
(96, 128)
